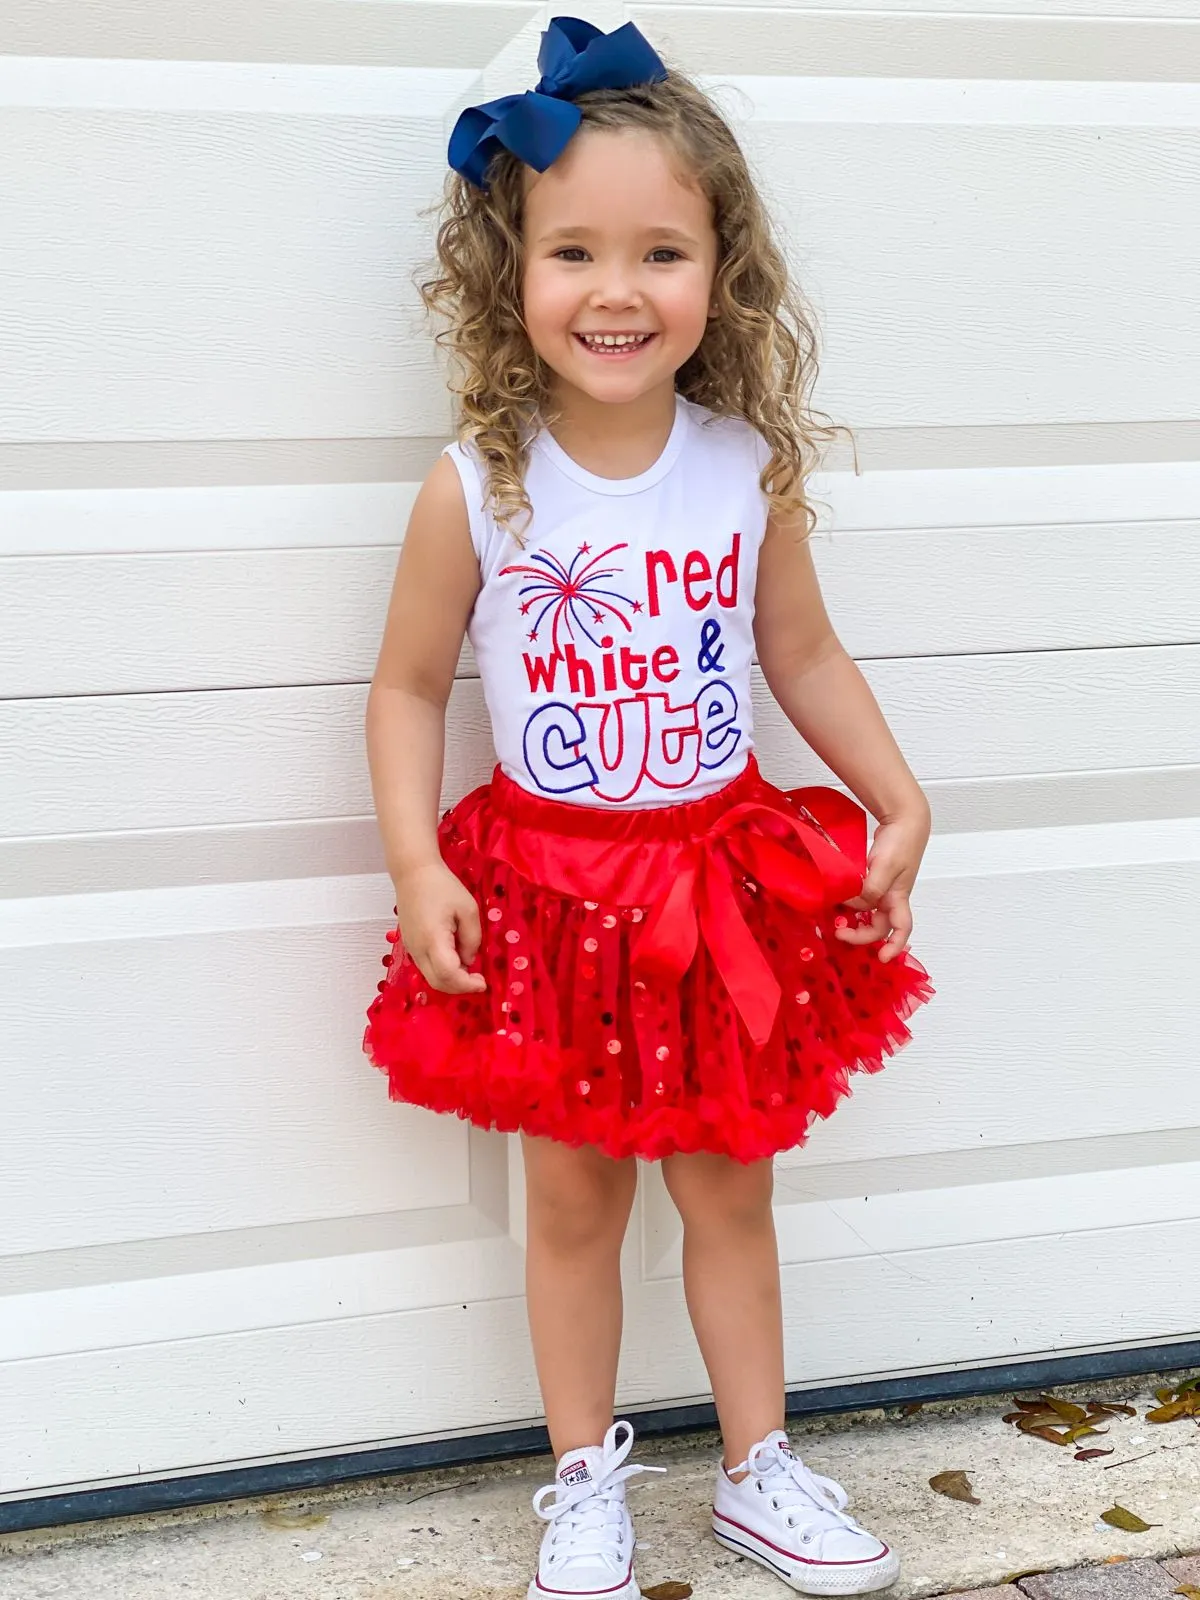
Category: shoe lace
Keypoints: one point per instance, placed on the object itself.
(793, 1489)
(589, 1518)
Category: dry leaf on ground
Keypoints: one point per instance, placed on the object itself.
(955, 1486)
(1188, 1590)
(668, 1591)
(1083, 1430)
(1090, 1455)
(1066, 1409)
(1045, 1417)
(1187, 1406)
(1181, 1401)
(1127, 1521)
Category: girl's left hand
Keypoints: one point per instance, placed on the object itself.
(892, 868)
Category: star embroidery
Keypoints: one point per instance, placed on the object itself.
(637, 605)
(526, 607)
(533, 636)
(584, 548)
(597, 616)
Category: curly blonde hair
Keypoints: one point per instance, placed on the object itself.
(757, 359)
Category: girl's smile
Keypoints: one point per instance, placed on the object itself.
(616, 346)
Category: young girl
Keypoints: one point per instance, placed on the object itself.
(629, 943)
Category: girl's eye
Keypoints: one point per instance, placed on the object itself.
(571, 252)
(665, 255)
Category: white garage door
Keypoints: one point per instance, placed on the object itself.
(219, 1242)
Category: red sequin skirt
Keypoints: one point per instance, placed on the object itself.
(658, 981)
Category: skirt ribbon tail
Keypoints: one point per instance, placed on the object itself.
(745, 972)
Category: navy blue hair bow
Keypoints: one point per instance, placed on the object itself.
(537, 126)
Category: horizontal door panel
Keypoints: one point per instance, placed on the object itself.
(983, 251)
(137, 859)
(205, 1076)
(251, 282)
(263, 1037)
(53, 521)
(890, 44)
(419, 33)
(242, 756)
(325, 1386)
(213, 620)
(991, 273)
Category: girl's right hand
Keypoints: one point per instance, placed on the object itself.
(440, 928)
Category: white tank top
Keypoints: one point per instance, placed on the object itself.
(615, 646)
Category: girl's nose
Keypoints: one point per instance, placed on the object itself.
(616, 291)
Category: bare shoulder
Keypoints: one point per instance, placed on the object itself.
(787, 544)
(437, 546)
(441, 502)
(436, 583)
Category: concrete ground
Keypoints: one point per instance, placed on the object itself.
(469, 1534)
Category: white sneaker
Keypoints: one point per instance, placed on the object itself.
(587, 1551)
(794, 1523)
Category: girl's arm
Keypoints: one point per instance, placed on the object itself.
(437, 580)
(827, 700)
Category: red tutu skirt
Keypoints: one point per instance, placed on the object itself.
(658, 981)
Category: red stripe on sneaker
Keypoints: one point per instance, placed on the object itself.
(582, 1594)
(862, 1561)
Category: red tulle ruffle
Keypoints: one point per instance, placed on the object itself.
(695, 1000)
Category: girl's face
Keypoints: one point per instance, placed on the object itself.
(620, 254)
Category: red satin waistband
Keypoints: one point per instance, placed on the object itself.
(686, 820)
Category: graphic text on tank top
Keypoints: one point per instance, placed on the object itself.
(610, 717)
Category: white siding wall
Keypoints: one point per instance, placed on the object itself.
(218, 1241)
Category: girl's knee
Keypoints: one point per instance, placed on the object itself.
(716, 1191)
(575, 1198)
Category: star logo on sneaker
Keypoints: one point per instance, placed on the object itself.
(575, 1472)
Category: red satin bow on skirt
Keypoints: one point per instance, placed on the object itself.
(808, 847)
(820, 866)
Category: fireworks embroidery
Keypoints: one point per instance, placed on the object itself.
(573, 598)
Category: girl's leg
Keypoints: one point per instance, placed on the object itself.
(731, 1280)
(578, 1209)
